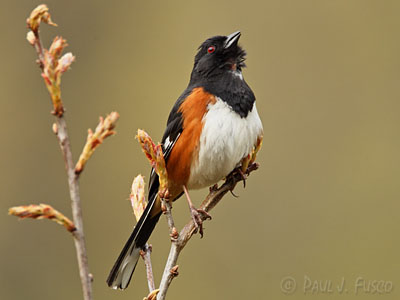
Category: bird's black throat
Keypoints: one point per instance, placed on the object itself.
(229, 87)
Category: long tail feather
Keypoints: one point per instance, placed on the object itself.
(122, 271)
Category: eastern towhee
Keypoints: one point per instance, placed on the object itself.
(213, 125)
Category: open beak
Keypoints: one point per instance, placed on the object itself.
(232, 39)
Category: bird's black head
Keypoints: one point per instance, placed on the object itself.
(217, 55)
(217, 69)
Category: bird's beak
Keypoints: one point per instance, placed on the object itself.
(232, 39)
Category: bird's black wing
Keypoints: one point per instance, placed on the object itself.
(122, 271)
(170, 137)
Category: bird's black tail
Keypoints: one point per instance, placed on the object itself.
(122, 271)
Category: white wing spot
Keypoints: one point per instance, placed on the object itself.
(167, 143)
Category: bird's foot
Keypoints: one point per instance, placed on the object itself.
(243, 175)
(238, 171)
(214, 188)
(197, 214)
(197, 218)
(252, 167)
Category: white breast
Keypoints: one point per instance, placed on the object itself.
(225, 139)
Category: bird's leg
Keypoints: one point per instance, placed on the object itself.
(195, 213)
(251, 165)
(242, 170)
(243, 175)
(245, 163)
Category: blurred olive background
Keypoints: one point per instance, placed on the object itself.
(325, 202)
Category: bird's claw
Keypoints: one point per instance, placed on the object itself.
(197, 219)
(243, 175)
(252, 167)
(214, 188)
(233, 194)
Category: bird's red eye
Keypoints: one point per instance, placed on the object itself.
(211, 49)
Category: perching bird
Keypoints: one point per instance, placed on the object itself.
(213, 125)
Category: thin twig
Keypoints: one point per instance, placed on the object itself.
(167, 210)
(79, 237)
(62, 135)
(146, 255)
(213, 198)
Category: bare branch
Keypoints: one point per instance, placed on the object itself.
(52, 68)
(79, 237)
(146, 255)
(166, 208)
